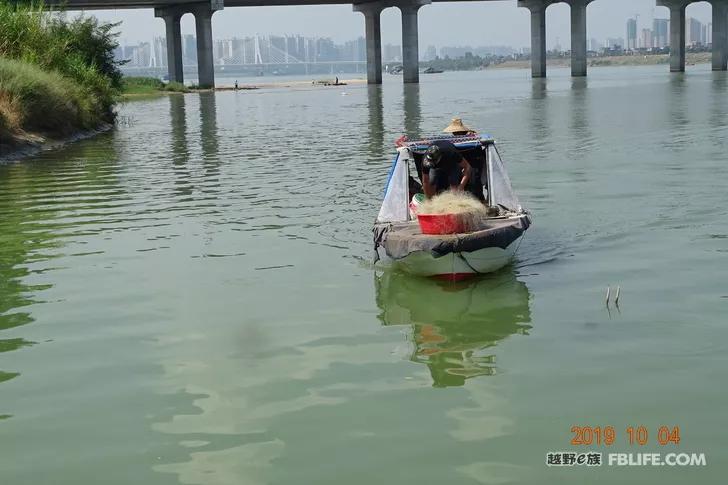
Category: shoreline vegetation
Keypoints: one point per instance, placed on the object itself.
(691, 58)
(470, 62)
(58, 76)
(151, 86)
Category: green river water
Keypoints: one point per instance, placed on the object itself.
(189, 298)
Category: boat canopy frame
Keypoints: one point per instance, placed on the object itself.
(494, 178)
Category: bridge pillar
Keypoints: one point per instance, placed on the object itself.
(578, 37)
(720, 35)
(538, 35)
(171, 18)
(373, 32)
(677, 38)
(410, 40)
(677, 32)
(205, 62)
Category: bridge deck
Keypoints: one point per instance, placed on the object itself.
(128, 4)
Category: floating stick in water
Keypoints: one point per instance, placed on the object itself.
(609, 290)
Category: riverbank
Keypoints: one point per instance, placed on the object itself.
(58, 77)
(612, 61)
(298, 84)
(43, 109)
(150, 86)
(135, 87)
(30, 144)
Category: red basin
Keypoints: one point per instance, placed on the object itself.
(441, 223)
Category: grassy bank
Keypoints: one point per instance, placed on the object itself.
(34, 100)
(149, 86)
(58, 76)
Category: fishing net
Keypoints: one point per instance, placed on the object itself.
(470, 212)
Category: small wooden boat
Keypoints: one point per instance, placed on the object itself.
(399, 240)
(432, 70)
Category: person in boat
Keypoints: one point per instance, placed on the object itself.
(444, 168)
(457, 128)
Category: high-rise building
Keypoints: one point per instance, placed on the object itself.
(128, 52)
(631, 34)
(247, 48)
(660, 33)
(430, 53)
(311, 50)
(361, 49)
(645, 41)
(693, 32)
(238, 51)
(278, 45)
(353, 50)
(296, 47)
(326, 50)
(159, 52)
(189, 50)
(141, 55)
(218, 51)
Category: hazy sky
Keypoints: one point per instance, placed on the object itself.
(453, 24)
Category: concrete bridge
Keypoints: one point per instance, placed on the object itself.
(172, 10)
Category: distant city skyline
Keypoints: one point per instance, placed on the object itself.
(275, 48)
(475, 23)
(249, 50)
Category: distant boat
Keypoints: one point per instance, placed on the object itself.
(397, 70)
(432, 70)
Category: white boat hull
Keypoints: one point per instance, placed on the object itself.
(455, 265)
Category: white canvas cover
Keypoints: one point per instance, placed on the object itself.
(501, 192)
(395, 207)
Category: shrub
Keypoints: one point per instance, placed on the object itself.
(141, 85)
(176, 87)
(32, 99)
(81, 49)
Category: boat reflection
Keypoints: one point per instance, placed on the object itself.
(454, 324)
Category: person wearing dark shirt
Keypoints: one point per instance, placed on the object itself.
(444, 168)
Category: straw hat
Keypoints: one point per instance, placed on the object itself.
(455, 126)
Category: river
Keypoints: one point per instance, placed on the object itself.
(189, 298)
